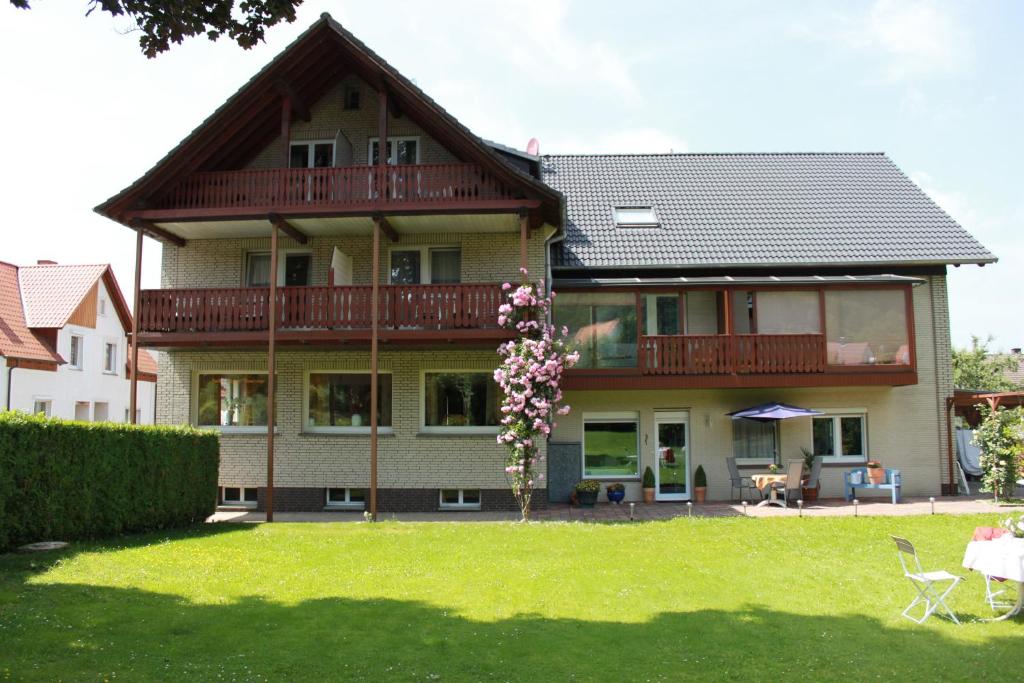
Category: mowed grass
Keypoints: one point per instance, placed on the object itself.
(713, 599)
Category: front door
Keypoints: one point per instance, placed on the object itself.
(672, 455)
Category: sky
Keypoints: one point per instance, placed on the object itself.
(935, 85)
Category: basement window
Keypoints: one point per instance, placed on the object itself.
(239, 495)
(635, 217)
(346, 499)
(460, 499)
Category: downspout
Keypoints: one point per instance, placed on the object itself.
(11, 364)
(949, 445)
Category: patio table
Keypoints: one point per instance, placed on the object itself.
(1003, 558)
(767, 479)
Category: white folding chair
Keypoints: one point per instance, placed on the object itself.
(925, 583)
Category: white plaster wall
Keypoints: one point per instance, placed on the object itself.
(67, 386)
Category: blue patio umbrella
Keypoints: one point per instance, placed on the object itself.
(773, 412)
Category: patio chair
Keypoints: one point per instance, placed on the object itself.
(739, 482)
(792, 488)
(925, 583)
(815, 475)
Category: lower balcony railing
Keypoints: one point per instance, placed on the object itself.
(717, 354)
(428, 307)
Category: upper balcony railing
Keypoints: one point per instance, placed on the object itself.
(245, 309)
(717, 354)
(280, 189)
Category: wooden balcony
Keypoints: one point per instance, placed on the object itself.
(345, 189)
(721, 354)
(414, 312)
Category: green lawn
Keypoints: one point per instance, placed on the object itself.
(713, 599)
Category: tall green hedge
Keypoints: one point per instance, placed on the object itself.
(66, 481)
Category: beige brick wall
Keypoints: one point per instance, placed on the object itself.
(328, 115)
(905, 425)
(486, 257)
(407, 459)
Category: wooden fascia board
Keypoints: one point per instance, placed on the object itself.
(124, 314)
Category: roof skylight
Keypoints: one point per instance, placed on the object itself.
(635, 217)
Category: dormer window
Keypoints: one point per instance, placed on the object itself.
(635, 217)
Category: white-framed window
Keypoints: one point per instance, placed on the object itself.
(346, 498)
(100, 411)
(101, 306)
(754, 442)
(231, 401)
(401, 150)
(460, 499)
(42, 405)
(294, 268)
(83, 409)
(239, 495)
(635, 217)
(75, 358)
(425, 265)
(611, 445)
(459, 401)
(339, 401)
(311, 154)
(110, 358)
(840, 436)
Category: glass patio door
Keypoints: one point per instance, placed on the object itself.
(672, 455)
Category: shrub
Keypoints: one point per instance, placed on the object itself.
(72, 480)
(1000, 436)
(700, 479)
(648, 478)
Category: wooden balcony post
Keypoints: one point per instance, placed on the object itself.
(382, 148)
(524, 236)
(133, 395)
(374, 324)
(271, 369)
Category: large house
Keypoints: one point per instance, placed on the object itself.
(64, 346)
(308, 268)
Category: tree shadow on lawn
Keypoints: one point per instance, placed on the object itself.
(74, 631)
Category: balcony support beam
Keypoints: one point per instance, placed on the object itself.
(156, 232)
(271, 369)
(287, 228)
(374, 342)
(133, 392)
(386, 227)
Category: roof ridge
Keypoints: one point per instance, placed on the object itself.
(711, 154)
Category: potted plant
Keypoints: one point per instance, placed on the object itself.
(648, 485)
(876, 473)
(700, 484)
(586, 492)
(774, 468)
(809, 493)
(616, 492)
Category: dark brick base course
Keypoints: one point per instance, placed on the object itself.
(298, 499)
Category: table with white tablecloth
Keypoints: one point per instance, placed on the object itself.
(1000, 558)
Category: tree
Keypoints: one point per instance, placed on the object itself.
(1001, 440)
(978, 369)
(163, 22)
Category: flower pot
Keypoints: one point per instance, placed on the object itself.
(648, 495)
(586, 498)
(876, 475)
(699, 493)
(616, 496)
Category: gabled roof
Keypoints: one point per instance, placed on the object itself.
(52, 292)
(751, 210)
(148, 366)
(250, 118)
(16, 339)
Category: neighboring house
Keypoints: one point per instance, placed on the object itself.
(64, 344)
(693, 285)
(1016, 374)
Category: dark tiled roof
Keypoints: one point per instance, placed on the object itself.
(751, 209)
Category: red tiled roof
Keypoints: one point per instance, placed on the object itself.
(16, 339)
(147, 365)
(53, 292)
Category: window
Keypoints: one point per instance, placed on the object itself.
(701, 308)
(110, 358)
(866, 327)
(232, 400)
(403, 150)
(43, 406)
(611, 446)
(796, 312)
(128, 415)
(660, 314)
(240, 495)
(460, 499)
(460, 401)
(602, 327)
(352, 97)
(341, 401)
(101, 306)
(294, 269)
(351, 499)
(77, 347)
(436, 265)
(754, 441)
(82, 411)
(312, 154)
(635, 217)
(742, 311)
(840, 438)
(100, 411)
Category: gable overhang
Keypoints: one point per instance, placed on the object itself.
(251, 118)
